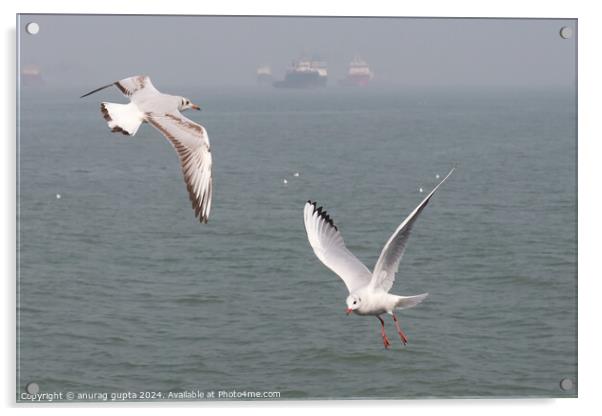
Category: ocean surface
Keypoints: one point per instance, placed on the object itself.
(121, 289)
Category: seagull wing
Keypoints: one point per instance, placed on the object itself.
(388, 262)
(136, 88)
(329, 247)
(191, 142)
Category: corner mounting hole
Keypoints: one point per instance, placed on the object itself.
(566, 32)
(32, 388)
(32, 28)
(566, 384)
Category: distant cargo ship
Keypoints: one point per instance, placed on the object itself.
(31, 76)
(264, 75)
(359, 73)
(305, 73)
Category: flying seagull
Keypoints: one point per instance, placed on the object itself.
(368, 292)
(162, 111)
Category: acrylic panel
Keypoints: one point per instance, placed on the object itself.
(171, 254)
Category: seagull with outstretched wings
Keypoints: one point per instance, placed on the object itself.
(368, 291)
(163, 112)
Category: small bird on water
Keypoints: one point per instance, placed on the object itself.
(368, 292)
(163, 112)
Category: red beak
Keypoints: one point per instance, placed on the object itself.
(348, 311)
(195, 107)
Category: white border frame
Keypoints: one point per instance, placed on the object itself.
(590, 31)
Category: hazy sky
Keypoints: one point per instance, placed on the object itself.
(92, 50)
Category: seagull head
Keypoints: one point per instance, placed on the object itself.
(185, 104)
(353, 302)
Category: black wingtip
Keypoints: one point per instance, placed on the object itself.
(97, 89)
(322, 213)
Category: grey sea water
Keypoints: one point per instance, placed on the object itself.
(120, 289)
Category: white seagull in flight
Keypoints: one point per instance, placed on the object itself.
(162, 111)
(368, 292)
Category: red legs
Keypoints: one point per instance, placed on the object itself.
(382, 332)
(402, 336)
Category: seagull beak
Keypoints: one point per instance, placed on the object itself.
(348, 311)
(195, 107)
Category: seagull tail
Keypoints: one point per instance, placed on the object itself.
(122, 118)
(406, 302)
